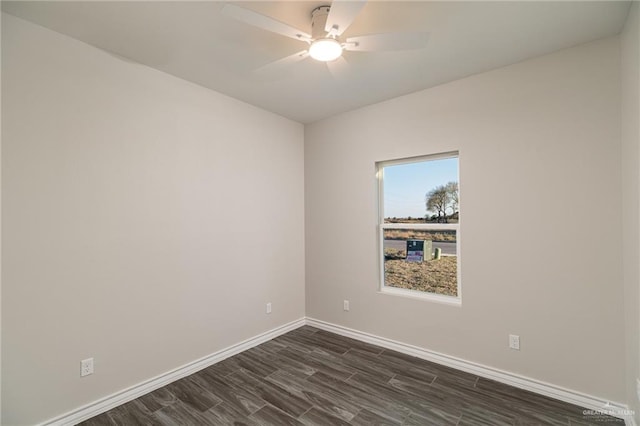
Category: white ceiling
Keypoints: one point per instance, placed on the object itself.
(194, 41)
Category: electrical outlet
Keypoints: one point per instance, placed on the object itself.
(269, 307)
(638, 388)
(345, 305)
(86, 367)
(514, 342)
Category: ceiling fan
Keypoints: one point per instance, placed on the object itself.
(325, 43)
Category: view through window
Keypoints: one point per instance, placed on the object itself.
(420, 225)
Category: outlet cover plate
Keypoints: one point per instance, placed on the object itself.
(514, 342)
(86, 367)
(638, 388)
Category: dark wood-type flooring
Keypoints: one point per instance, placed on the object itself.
(312, 377)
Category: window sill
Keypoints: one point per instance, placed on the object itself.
(413, 294)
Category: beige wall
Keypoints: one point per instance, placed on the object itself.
(0, 226)
(630, 78)
(539, 146)
(146, 222)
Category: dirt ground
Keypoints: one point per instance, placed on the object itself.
(433, 276)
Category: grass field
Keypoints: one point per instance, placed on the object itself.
(450, 219)
(416, 234)
(433, 276)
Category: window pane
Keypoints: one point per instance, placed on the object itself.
(421, 260)
(421, 192)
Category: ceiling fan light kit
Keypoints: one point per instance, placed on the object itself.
(325, 49)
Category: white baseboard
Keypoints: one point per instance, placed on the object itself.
(516, 380)
(126, 395)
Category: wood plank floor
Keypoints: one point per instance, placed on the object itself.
(312, 377)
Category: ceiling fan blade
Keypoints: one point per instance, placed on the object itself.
(388, 41)
(341, 14)
(339, 68)
(282, 63)
(266, 23)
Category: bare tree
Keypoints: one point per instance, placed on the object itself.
(441, 199)
(437, 201)
(454, 197)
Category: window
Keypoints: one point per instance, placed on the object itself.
(419, 227)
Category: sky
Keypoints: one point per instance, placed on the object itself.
(405, 185)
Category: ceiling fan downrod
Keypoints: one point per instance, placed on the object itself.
(318, 21)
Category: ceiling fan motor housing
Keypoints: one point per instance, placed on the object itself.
(318, 21)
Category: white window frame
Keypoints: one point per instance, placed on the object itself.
(440, 298)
